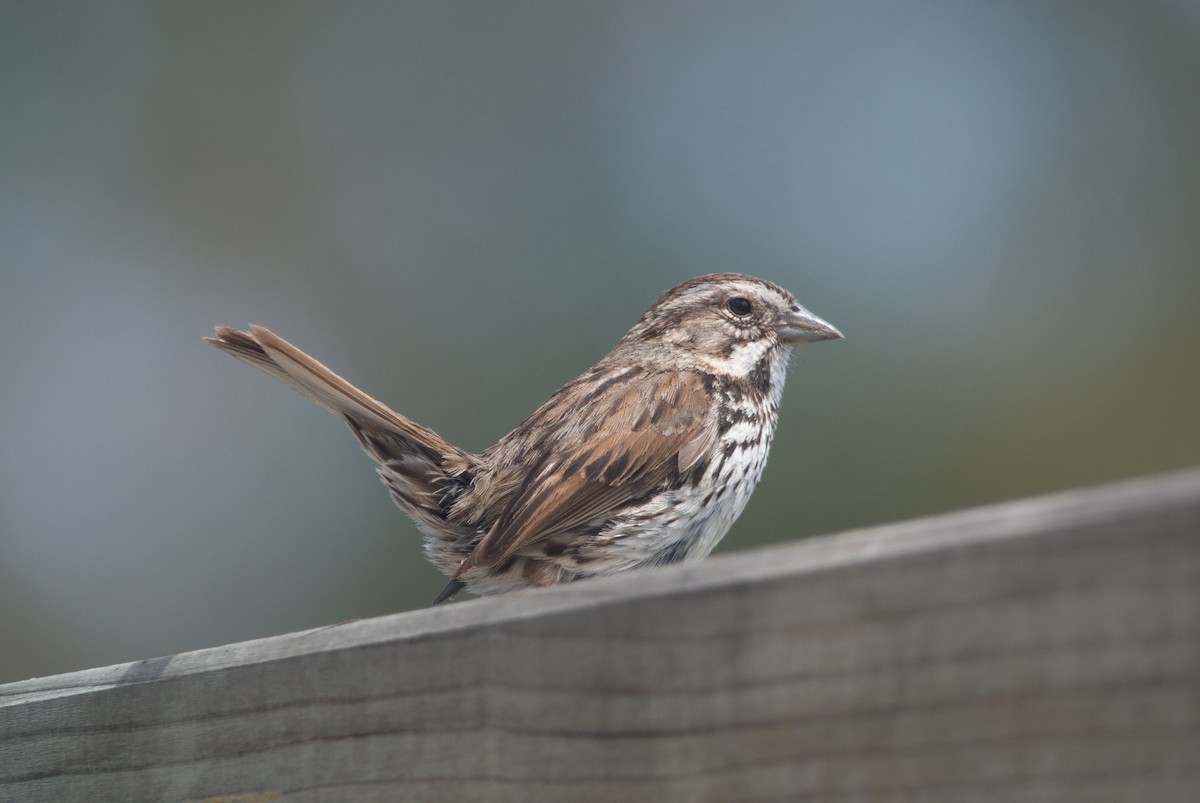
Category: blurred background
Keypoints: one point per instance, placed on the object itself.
(460, 206)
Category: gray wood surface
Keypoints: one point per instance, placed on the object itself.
(1042, 650)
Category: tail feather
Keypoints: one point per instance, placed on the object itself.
(424, 472)
(276, 357)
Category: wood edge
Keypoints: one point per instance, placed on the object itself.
(1022, 518)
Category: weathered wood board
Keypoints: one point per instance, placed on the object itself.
(1042, 650)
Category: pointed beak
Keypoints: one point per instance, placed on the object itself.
(798, 325)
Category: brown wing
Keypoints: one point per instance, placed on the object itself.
(655, 427)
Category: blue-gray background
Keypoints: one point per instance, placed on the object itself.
(460, 206)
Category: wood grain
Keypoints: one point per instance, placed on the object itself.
(1042, 650)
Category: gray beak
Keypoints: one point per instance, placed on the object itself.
(798, 325)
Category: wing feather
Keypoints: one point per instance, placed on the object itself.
(656, 427)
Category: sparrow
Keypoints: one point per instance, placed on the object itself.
(645, 459)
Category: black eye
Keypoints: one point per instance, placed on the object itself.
(739, 306)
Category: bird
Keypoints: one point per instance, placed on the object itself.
(645, 459)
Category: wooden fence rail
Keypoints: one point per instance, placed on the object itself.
(1041, 650)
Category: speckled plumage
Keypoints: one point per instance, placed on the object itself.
(645, 459)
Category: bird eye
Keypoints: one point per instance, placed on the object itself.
(739, 306)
